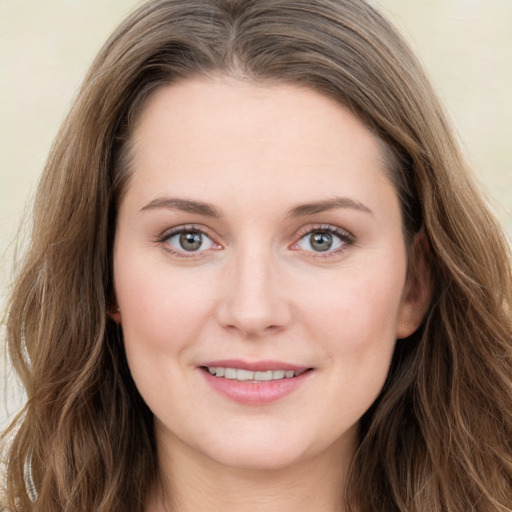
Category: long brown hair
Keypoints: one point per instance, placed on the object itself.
(439, 438)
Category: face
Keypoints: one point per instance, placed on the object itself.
(260, 271)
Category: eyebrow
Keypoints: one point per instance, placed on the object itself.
(185, 205)
(208, 210)
(329, 204)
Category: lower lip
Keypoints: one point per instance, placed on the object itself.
(255, 393)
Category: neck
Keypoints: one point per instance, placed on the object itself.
(189, 482)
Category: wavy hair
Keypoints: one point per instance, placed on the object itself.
(439, 437)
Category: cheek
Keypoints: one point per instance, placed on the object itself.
(356, 306)
(162, 314)
(161, 310)
(353, 318)
(356, 329)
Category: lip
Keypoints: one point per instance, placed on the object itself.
(255, 366)
(255, 393)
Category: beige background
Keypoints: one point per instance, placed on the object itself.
(46, 46)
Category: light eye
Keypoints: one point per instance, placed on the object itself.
(190, 240)
(320, 240)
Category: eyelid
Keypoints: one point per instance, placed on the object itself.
(345, 236)
(176, 230)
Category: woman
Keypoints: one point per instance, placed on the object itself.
(260, 276)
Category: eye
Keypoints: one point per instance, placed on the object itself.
(324, 240)
(189, 240)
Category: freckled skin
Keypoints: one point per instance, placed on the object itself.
(258, 291)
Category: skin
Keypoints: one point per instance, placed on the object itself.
(257, 289)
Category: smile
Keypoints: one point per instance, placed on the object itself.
(247, 375)
(255, 383)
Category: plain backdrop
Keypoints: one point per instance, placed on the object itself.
(47, 45)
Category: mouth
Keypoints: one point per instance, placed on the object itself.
(241, 374)
(255, 383)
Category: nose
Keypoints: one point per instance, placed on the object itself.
(254, 300)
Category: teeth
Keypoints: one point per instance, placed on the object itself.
(263, 375)
(230, 373)
(239, 374)
(244, 375)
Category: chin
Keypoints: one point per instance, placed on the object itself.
(273, 450)
(268, 457)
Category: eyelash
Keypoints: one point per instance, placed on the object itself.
(345, 237)
(167, 235)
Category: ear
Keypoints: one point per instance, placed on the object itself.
(114, 312)
(418, 288)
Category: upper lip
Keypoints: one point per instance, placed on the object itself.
(254, 366)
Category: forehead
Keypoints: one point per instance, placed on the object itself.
(255, 110)
(247, 136)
